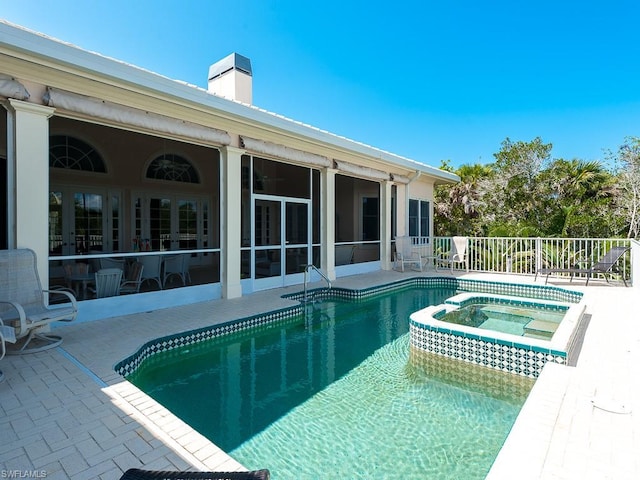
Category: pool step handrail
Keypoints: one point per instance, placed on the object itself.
(306, 275)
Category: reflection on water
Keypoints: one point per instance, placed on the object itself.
(426, 366)
(243, 382)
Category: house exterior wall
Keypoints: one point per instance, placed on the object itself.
(423, 191)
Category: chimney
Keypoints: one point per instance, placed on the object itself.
(231, 78)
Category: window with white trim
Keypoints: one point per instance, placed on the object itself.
(173, 168)
(74, 154)
(418, 218)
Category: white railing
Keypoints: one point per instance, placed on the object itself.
(423, 246)
(522, 255)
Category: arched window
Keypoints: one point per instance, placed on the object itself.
(74, 154)
(172, 167)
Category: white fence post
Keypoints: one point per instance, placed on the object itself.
(538, 254)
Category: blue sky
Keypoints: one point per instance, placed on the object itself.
(429, 80)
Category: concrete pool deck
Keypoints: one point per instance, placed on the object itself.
(65, 413)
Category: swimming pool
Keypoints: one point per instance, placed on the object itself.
(330, 389)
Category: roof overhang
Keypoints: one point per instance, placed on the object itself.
(17, 40)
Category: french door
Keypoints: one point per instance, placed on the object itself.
(281, 240)
(83, 220)
(170, 223)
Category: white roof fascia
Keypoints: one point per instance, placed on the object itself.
(18, 37)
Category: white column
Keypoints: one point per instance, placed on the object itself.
(328, 222)
(402, 209)
(432, 233)
(230, 220)
(385, 225)
(28, 180)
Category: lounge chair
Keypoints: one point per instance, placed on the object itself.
(23, 304)
(406, 254)
(457, 254)
(605, 266)
(138, 474)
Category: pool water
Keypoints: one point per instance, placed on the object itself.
(516, 320)
(332, 392)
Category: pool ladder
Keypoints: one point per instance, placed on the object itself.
(305, 297)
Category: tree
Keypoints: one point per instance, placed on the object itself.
(524, 193)
(628, 158)
(458, 207)
(512, 192)
(579, 197)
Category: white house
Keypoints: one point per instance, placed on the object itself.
(100, 159)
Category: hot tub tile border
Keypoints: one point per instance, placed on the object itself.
(484, 350)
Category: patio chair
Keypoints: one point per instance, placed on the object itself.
(152, 268)
(133, 279)
(344, 254)
(138, 474)
(267, 264)
(108, 282)
(77, 277)
(604, 266)
(23, 303)
(406, 254)
(176, 265)
(457, 254)
(107, 262)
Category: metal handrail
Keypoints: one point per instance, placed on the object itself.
(306, 272)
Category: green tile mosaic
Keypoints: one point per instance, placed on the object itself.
(130, 364)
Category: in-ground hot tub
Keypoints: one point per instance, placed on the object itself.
(512, 334)
(522, 318)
